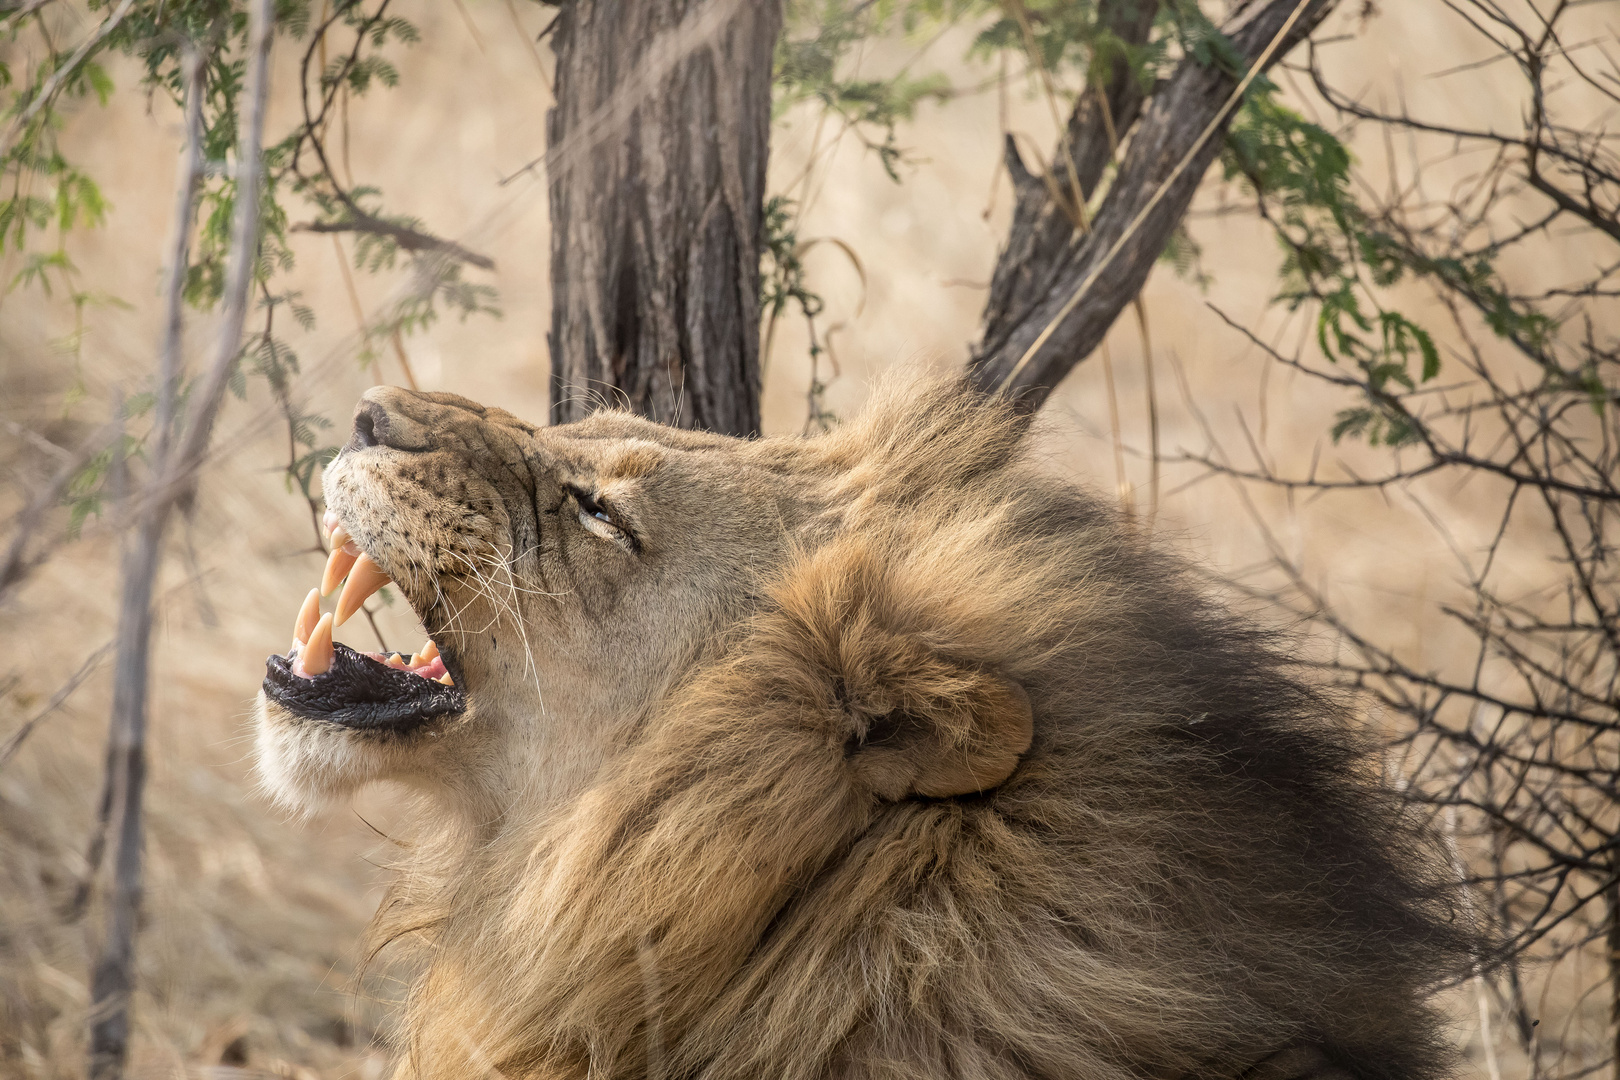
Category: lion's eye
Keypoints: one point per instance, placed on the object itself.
(596, 518)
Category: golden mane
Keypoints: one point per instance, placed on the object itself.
(1176, 863)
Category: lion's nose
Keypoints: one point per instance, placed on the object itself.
(367, 419)
(382, 418)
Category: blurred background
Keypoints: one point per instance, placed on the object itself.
(1186, 416)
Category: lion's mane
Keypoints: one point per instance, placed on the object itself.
(1192, 867)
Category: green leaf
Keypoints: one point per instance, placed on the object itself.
(99, 80)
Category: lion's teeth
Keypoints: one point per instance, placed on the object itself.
(316, 656)
(308, 616)
(338, 565)
(427, 653)
(364, 579)
(446, 679)
(395, 661)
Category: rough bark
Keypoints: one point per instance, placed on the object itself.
(656, 163)
(1044, 265)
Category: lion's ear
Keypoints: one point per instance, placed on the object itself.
(906, 670)
(947, 732)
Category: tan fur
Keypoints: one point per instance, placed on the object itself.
(879, 754)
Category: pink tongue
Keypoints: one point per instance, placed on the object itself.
(431, 670)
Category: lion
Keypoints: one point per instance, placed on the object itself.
(878, 754)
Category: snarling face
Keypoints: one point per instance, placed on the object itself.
(564, 577)
(880, 752)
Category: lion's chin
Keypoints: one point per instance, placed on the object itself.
(322, 737)
(307, 766)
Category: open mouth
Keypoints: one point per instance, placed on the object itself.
(322, 679)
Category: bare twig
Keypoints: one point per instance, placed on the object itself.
(1511, 736)
(175, 462)
(20, 559)
(409, 239)
(18, 13)
(47, 93)
(63, 692)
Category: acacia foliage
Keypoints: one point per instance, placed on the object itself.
(346, 50)
(1336, 257)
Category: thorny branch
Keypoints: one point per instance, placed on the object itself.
(1519, 744)
(23, 554)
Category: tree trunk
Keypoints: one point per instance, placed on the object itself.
(182, 444)
(113, 979)
(1035, 331)
(656, 154)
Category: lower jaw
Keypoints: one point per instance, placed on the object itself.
(359, 693)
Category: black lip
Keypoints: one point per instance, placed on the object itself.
(363, 694)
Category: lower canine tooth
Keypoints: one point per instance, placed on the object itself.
(427, 653)
(308, 616)
(364, 579)
(446, 679)
(316, 657)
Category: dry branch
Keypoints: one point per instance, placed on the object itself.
(22, 555)
(1045, 210)
(409, 239)
(14, 742)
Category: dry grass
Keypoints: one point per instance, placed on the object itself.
(247, 953)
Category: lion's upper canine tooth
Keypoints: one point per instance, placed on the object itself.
(316, 656)
(427, 653)
(366, 578)
(337, 564)
(308, 616)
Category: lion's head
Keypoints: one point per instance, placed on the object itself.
(874, 754)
